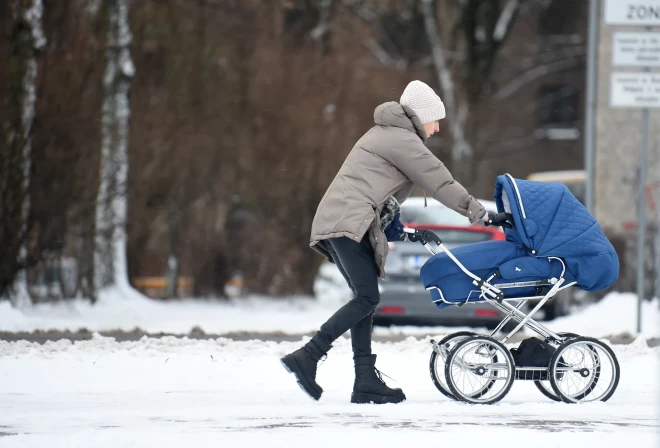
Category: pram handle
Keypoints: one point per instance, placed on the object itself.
(424, 236)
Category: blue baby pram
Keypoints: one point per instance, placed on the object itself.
(554, 244)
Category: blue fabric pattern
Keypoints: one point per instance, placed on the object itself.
(549, 221)
(483, 259)
(556, 224)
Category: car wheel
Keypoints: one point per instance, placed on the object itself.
(382, 321)
(558, 306)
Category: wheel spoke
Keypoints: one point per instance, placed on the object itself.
(476, 372)
(584, 369)
(439, 357)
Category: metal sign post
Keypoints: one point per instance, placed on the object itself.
(637, 90)
(641, 216)
(630, 89)
(590, 112)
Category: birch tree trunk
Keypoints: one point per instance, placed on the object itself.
(461, 148)
(173, 233)
(457, 113)
(29, 41)
(111, 204)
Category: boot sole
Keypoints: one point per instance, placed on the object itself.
(292, 366)
(364, 398)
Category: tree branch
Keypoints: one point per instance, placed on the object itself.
(460, 146)
(505, 20)
(560, 54)
(535, 73)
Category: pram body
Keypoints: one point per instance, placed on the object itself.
(554, 244)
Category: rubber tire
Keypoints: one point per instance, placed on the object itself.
(617, 370)
(434, 355)
(509, 359)
(565, 335)
(546, 392)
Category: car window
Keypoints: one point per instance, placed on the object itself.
(432, 215)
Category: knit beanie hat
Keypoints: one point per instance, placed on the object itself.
(423, 101)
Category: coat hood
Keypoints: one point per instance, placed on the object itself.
(395, 115)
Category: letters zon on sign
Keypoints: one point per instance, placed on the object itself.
(643, 12)
(632, 12)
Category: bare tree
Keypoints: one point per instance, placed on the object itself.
(240, 114)
(477, 35)
(27, 43)
(111, 204)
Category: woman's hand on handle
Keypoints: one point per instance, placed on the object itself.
(499, 219)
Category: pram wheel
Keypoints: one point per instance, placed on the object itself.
(583, 370)
(479, 370)
(544, 386)
(439, 356)
(546, 389)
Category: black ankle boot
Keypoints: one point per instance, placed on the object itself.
(369, 386)
(302, 363)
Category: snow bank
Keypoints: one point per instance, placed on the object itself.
(213, 316)
(179, 392)
(615, 314)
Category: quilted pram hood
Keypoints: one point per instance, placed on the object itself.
(550, 221)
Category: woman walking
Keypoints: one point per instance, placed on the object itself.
(388, 161)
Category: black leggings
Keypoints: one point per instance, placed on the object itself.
(356, 263)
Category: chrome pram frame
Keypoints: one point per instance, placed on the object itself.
(573, 355)
(494, 295)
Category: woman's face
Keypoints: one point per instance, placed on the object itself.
(431, 128)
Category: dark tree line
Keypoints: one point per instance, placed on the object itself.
(241, 112)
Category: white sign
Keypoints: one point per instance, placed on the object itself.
(630, 89)
(632, 12)
(636, 49)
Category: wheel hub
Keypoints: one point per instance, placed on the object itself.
(584, 372)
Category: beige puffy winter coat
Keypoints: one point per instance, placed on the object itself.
(387, 161)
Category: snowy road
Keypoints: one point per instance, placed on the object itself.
(614, 315)
(221, 393)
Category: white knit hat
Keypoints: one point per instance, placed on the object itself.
(422, 99)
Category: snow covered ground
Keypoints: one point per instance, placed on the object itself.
(615, 314)
(221, 393)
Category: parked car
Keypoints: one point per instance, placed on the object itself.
(403, 299)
